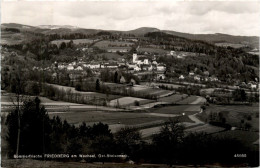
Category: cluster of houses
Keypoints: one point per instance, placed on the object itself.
(205, 77)
(139, 63)
(142, 62)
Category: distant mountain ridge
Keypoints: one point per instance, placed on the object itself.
(252, 41)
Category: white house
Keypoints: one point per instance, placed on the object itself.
(161, 67)
(111, 65)
(172, 53)
(150, 68)
(137, 68)
(197, 78)
(191, 73)
(70, 67)
(61, 66)
(154, 62)
(161, 76)
(181, 77)
(131, 65)
(79, 68)
(146, 61)
(135, 58)
(94, 66)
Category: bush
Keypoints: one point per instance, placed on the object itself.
(137, 103)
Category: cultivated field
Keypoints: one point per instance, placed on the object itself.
(173, 98)
(142, 90)
(107, 43)
(177, 109)
(110, 118)
(128, 101)
(193, 100)
(153, 91)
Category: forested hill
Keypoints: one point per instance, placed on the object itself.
(227, 63)
(251, 41)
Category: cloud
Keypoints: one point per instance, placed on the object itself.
(241, 18)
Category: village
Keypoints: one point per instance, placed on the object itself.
(140, 64)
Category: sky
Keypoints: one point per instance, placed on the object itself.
(200, 17)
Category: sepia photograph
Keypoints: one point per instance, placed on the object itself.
(127, 83)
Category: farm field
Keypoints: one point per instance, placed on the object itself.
(143, 90)
(107, 43)
(173, 98)
(193, 100)
(156, 92)
(87, 94)
(128, 101)
(110, 118)
(234, 114)
(177, 109)
(77, 41)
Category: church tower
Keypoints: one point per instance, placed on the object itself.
(134, 57)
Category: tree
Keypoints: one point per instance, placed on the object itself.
(78, 87)
(168, 141)
(63, 45)
(33, 121)
(127, 140)
(18, 84)
(115, 77)
(97, 85)
(122, 79)
(239, 95)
